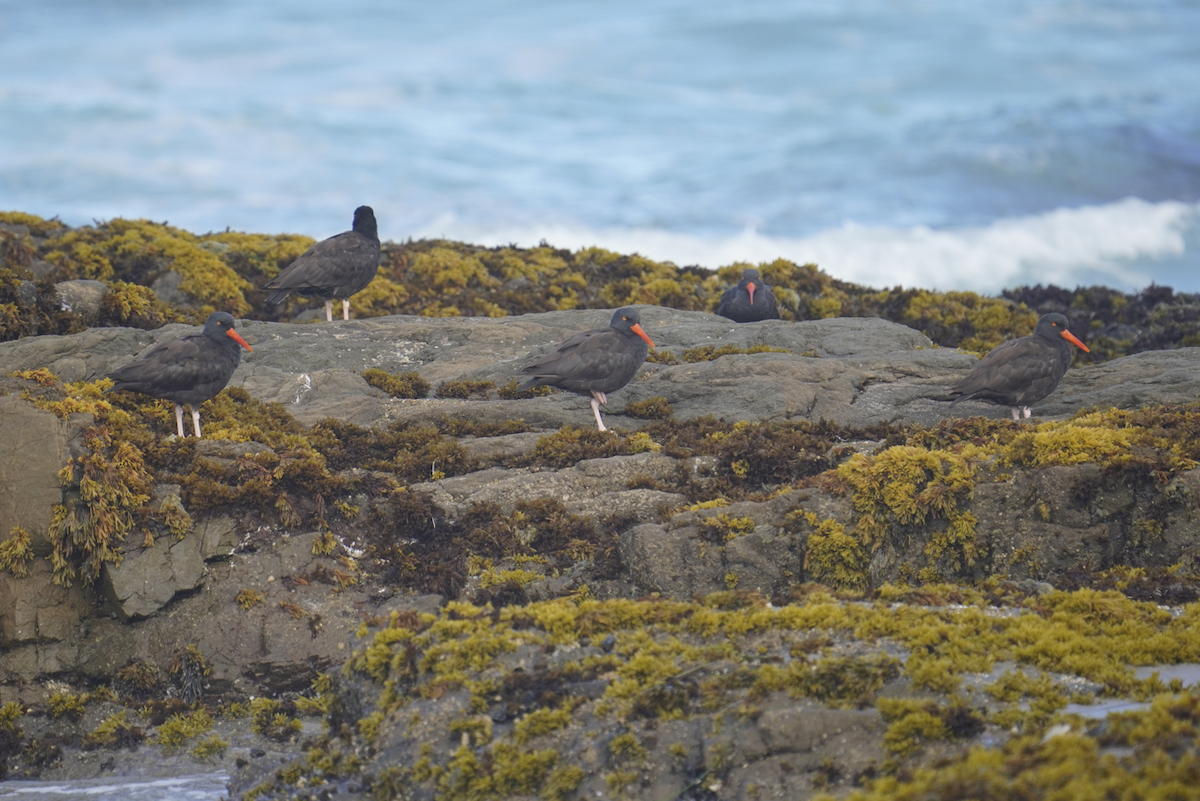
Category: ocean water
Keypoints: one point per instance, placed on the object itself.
(918, 142)
(201, 787)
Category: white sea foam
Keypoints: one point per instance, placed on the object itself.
(203, 787)
(1119, 244)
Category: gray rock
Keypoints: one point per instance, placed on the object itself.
(677, 563)
(83, 297)
(34, 445)
(592, 488)
(684, 558)
(40, 268)
(27, 293)
(34, 609)
(1033, 526)
(166, 287)
(294, 632)
(800, 728)
(491, 450)
(228, 450)
(89, 355)
(148, 578)
(764, 560)
(218, 537)
(857, 371)
(791, 739)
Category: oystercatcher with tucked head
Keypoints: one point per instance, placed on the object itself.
(188, 370)
(750, 301)
(594, 362)
(337, 267)
(1021, 372)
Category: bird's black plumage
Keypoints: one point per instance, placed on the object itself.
(750, 301)
(594, 362)
(1021, 372)
(337, 267)
(188, 370)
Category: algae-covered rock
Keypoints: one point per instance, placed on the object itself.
(466, 562)
(156, 273)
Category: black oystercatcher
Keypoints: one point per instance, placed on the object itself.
(742, 305)
(1021, 372)
(594, 362)
(337, 267)
(189, 370)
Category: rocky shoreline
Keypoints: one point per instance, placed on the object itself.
(791, 570)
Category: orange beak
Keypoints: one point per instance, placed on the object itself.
(637, 329)
(750, 288)
(236, 337)
(1067, 335)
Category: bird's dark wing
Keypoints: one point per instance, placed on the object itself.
(599, 360)
(770, 309)
(182, 366)
(341, 264)
(728, 299)
(1015, 371)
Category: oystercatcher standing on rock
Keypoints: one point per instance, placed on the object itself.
(1021, 372)
(189, 370)
(337, 267)
(594, 362)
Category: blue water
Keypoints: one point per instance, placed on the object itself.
(932, 143)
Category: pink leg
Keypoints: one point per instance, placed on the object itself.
(596, 411)
(179, 419)
(329, 311)
(196, 420)
(597, 399)
(345, 308)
